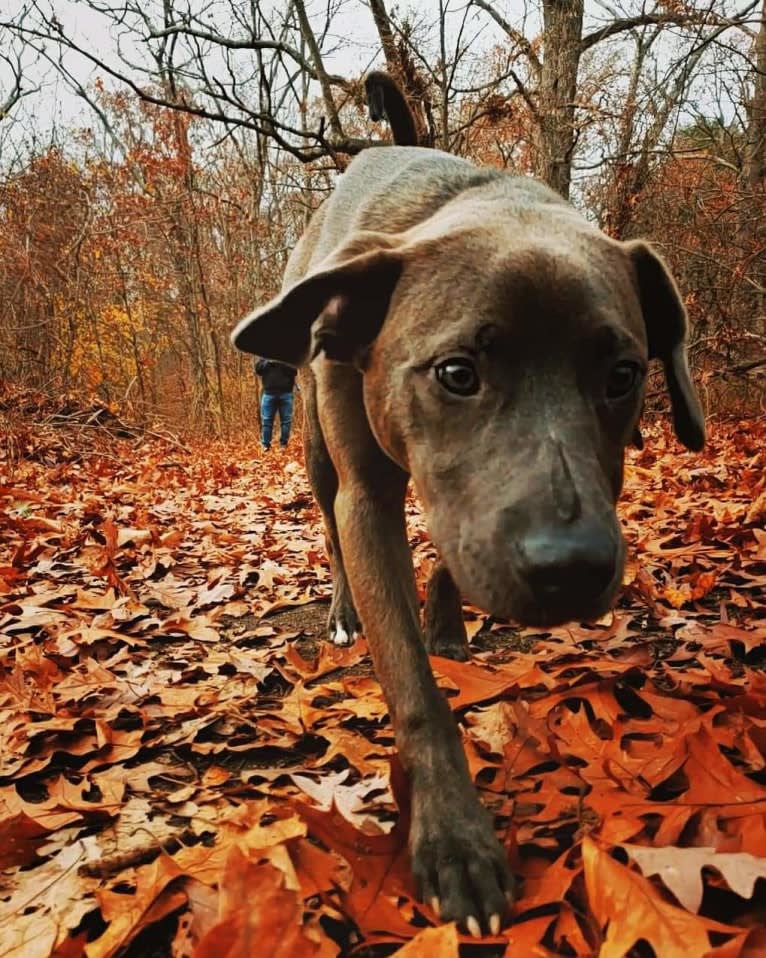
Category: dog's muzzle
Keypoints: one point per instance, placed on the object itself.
(575, 561)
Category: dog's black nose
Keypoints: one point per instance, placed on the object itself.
(577, 561)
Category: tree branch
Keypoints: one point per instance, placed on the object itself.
(277, 46)
(706, 17)
(321, 74)
(17, 91)
(263, 124)
(515, 35)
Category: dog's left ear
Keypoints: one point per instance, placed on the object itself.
(338, 310)
(666, 330)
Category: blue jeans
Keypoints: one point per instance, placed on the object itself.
(271, 404)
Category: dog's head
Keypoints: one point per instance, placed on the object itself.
(503, 364)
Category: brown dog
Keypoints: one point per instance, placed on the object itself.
(466, 328)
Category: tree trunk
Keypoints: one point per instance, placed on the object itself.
(562, 20)
(755, 147)
(752, 227)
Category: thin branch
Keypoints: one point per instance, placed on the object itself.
(523, 44)
(321, 74)
(705, 17)
(17, 91)
(251, 43)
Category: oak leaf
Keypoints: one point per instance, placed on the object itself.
(380, 866)
(258, 915)
(629, 908)
(680, 870)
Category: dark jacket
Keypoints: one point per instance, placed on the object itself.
(276, 377)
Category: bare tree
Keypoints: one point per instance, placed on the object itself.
(219, 64)
(754, 168)
(555, 77)
(14, 84)
(641, 132)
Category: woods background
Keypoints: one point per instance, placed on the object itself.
(133, 237)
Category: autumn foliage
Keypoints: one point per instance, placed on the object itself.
(122, 274)
(187, 769)
(124, 269)
(713, 241)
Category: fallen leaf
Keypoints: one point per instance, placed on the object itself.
(680, 870)
(629, 908)
(257, 916)
(441, 942)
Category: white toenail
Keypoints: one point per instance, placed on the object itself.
(340, 636)
(473, 927)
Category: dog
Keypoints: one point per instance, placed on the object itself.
(468, 330)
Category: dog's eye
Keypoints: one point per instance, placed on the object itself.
(623, 378)
(458, 375)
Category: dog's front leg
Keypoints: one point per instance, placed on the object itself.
(443, 617)
(458, 864)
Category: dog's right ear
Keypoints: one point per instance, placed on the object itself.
(666, 330)
(338, 310)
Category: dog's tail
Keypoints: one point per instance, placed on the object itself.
(386, 99)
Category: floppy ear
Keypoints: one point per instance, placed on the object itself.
(338, 310)
(666, 329)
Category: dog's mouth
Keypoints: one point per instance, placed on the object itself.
(545, 596)
(524, 608)
(534, 614)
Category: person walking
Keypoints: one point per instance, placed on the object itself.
(278, 381)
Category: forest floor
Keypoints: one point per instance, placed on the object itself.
(188, 769)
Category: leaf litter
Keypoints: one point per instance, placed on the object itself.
(187, 769)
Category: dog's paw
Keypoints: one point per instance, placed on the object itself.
(343, 627)
(460, 868)
(449, 647)
(339, 635)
